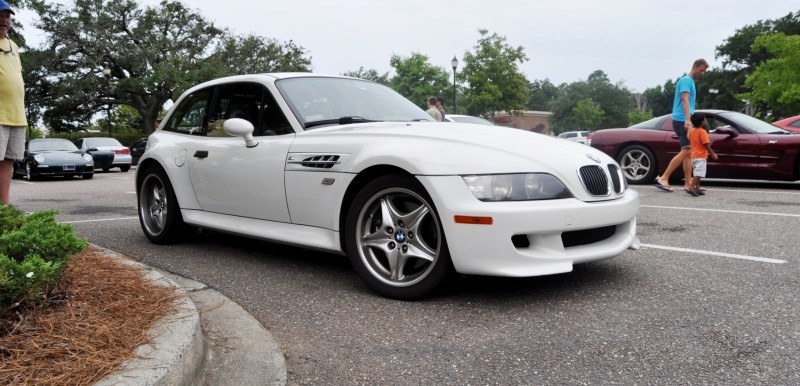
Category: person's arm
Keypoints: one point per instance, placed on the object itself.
(710, 150)
(685, 106)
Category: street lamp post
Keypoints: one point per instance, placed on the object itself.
(107, 73)
(454, 63)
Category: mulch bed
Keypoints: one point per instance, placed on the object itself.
(102, 313)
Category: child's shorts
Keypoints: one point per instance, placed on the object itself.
(699, 167)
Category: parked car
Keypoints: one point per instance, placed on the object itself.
(137, 149)
(351, 167)
(748, 148)
(789, 124)
(467, 119)
(584, 137)
(53, 157)
(102, 145)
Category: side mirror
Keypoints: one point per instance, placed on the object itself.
(727, 130)
(238, 127)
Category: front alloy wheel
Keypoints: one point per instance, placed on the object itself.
(395, 239)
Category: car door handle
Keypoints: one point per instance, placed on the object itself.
(201, 153)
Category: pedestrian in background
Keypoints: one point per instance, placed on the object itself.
(682, 110)
(12, 104)
(432, 110)
(701, 148)
(440, 105)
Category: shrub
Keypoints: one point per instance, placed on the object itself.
(34, 251)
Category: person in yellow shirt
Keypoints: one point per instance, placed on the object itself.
(12, 104)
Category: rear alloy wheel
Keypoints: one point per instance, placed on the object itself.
(159, 213)
(638, 164)
(395, 240)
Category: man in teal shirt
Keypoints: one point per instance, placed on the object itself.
(682, 110)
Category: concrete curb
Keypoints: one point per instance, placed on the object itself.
(208, 340)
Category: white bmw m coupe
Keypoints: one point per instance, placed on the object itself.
(351, 167)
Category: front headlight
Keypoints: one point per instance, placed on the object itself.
(516, 187)
(87, 157)
(39, 158)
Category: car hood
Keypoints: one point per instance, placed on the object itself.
(428, 148)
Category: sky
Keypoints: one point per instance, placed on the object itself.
(641, 43)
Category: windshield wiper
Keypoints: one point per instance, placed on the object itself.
(340, 121)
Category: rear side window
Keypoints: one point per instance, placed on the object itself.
(653, 124)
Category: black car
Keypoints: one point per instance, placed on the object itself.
(53, 157)
(137, 149)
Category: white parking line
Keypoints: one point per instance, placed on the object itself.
(644, 187)
(711, 253)
(721, 210)
(99, 220)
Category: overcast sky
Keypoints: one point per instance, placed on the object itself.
(639, 42)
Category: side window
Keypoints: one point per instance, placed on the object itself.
(189, 117)
(795, 123)
(273, 121)
(240, 100)
(714, 123)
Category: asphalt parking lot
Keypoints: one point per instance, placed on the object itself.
(711, 298)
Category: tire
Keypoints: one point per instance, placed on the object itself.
(88, 176)
(403, 257)
(15, 171)
(105, 170)
(125, 168)
(159, 213)
(638, 164)
(29, 174)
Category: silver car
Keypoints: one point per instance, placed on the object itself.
(584, 137)
(103, 145)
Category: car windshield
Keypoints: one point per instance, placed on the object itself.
(94, 142)
(52, 145)
(320, 101)
(753, 124)
(471, 119)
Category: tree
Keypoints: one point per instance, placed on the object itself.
(370, 74)
(153, 54)
(776, 82)
(587, 113)
(416, 79)
(614, 99)
(493, 79)
(543, 94)
(252, 54)
(660, 98)
(739, 60)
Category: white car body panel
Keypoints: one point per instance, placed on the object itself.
(260, 192)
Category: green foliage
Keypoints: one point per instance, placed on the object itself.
(543, 94)
(588, 114)
(614, 100)
(416, 79)
(153, 54)
(740, 58)
(493, 79)
(660, 98)
(635, 117)
(370, 74)
(776, 82)
(34, 251)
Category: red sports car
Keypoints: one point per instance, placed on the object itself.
(748, 148)
(791, 124)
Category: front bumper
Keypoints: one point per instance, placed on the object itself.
(531, 238)
(62, 170)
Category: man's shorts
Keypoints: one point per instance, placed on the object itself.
(699, 167)
(679, 129)
(12, 142)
